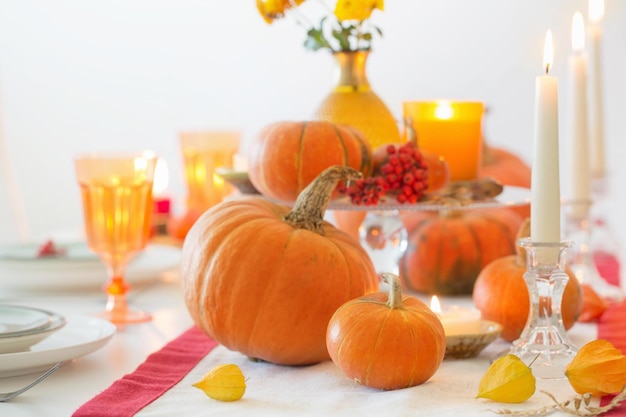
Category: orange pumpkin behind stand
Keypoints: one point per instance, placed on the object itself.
(447, 250)
(501, 294)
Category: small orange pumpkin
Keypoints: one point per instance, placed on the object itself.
(446, 251)
(501, 294)
(286, 156)
(264, 280)
(386, 341)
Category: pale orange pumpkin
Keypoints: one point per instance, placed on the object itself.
(286, 156)
(264, 280)
(505, 167)
(501, 294)
(447, 250)
(508, 169)
(386, 341)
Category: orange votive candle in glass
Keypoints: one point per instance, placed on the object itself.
(203, 152)
(451, 129)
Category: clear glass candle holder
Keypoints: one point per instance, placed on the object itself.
(578, 228)
(544, 344)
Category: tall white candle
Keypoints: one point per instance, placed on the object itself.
(578, 116)
(545, 208)
(596, 13)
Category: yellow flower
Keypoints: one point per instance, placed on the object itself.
(357, 9)
(271, 10)
(347, 29)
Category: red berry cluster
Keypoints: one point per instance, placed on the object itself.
(403, 174)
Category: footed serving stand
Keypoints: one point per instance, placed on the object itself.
(382, 232)
(544, 344)
(384, 238)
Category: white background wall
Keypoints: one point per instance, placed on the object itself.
(81, 75)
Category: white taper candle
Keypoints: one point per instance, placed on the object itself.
(545, 208)
(579, 131)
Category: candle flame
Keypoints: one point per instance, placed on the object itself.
(161, 177)
(578, 32)
(435, 305)
(548, 52)
(444, 110)
(596, 10)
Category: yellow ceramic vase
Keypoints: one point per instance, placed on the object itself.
(352, 101)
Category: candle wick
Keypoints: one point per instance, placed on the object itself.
(547, 68)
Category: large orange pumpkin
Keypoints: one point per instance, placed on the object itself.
(447, 250)
(386, 341)
(501, 294)
(286, 156)
(264, 280)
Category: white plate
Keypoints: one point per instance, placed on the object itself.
(80, 336)
(22, 341)
(72, 251)
(61, 273)
(17, 320)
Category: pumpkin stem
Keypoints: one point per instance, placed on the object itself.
(308, 210)
(395, 290)
(520, 252)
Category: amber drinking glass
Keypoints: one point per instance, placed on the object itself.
(116, 191)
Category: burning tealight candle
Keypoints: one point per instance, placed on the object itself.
(240, 163)
(456, 320)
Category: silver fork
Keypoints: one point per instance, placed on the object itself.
(9, 395)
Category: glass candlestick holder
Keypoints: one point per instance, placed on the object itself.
(578, 228)
(604, 245)
(544, 344)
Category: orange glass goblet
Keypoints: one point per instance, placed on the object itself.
(116, 190)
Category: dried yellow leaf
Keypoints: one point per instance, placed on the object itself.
(508, 380)
(224, 383)
(598, 368)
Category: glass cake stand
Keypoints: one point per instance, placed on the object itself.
(383, 234)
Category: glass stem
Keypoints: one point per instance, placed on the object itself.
(116, 289)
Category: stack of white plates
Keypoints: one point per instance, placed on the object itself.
(22, 327)
(32, 339)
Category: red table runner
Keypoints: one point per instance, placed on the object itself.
(160, 372)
